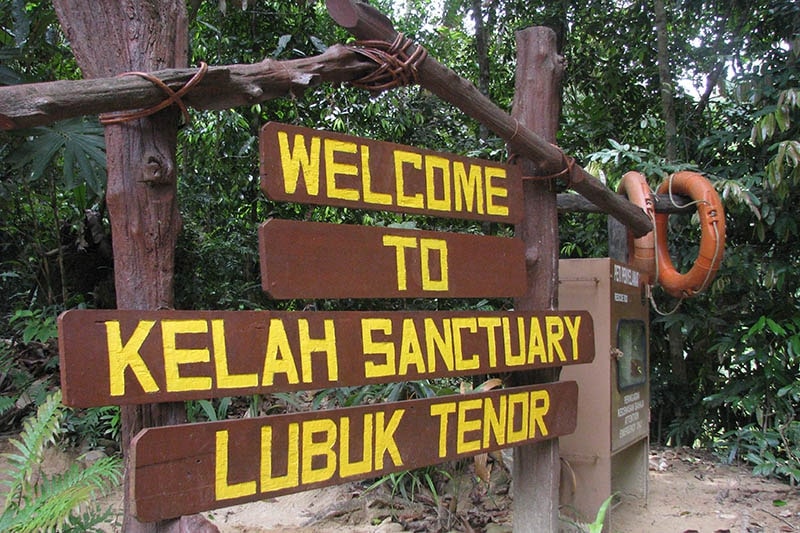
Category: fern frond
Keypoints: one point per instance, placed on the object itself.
(37, 432)
(39, 514)
(6, 403)
(89, 520)
(99, 477)
(54, 501)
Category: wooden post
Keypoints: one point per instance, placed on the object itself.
(537, 103)
(109, 38)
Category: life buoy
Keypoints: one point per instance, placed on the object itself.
(712, 240)
(634, 186)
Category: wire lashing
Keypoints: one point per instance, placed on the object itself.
(567, 172)
(173, 97)
(396, 66)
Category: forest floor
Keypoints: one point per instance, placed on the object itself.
(689, 491)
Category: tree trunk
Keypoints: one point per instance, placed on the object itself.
(482, 53)
(109, 38)
(537, 105)
(676, 341)
(666, 82)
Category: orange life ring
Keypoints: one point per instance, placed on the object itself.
(635, 187)
(712, 240)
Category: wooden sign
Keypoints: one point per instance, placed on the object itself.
(185, 469)
(316, 260)
(323, 168)
(125, 357)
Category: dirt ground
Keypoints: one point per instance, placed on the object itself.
(689, 491)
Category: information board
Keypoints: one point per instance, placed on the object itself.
(325, 168)
(112, 357)
(316, 260)
(185, 469)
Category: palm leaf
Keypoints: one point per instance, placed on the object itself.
(82, 144)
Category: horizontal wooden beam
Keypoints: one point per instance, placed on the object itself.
(569, 203)
(222, 87)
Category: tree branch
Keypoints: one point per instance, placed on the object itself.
(223, 87)
(367, 23)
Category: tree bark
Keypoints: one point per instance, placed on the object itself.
(675, 335)
(224, 87)
(482, 53)
(575, 203)
(537, 106)
(108, 38)
(666, 83)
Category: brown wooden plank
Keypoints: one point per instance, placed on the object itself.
(316, 260)
(238, 353)
(325, 168)
(197, 467)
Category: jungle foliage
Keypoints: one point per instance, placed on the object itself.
(729, 380)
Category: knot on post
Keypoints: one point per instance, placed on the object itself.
(396, 66)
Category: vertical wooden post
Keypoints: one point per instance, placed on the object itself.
(537, 105)
(109, 38)
(617, 240)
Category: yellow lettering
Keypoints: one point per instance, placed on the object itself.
(318, 448)
(370, 196)
(269, 481)
(384, 438)
(536, 345)
(432, 164)
(410, 349)
(494, 421)
(374, 368)
(440, 341)
(299, 159)
(334, 168)
(401, 158)
(493, 192)
(490, 323)
(520, 399)
(429, 284)
(278, 358)
(400, 244)
(226, 380)
(574, 329)
(363, 465)
(555, 332)
(326, 344)
(122, 356)
(514, 359)
(464, 425)
(222, 490)
(442, 410)
(540, 405)
(464, 363)
(468, 188)
(174, 357)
